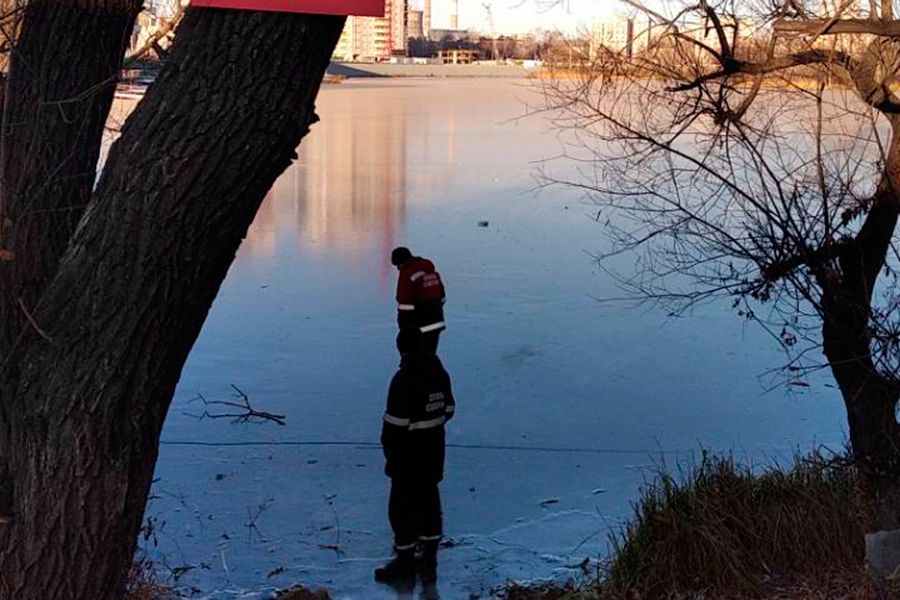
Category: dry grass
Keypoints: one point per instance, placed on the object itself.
(723, 530)
(545, 592)
(721, 527)
(144, 584)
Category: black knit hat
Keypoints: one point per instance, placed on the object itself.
(400, 255)
(410, 340)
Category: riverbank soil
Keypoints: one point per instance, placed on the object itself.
(851, 586)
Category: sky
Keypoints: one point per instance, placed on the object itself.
(521, 16)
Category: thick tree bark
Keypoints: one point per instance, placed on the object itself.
(63, 74)
(179, 191)
(53, 109)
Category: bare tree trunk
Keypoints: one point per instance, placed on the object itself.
(870, 402)
(53, 108)
(874, 436)
(63, 75)
(870, 399)
(88, 398)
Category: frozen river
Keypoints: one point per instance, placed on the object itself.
(563, 401)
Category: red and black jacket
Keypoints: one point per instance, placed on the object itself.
(420, 296)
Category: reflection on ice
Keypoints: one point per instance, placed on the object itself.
(559, 396)
(352, 198)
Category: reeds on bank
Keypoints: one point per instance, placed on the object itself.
(722, 529)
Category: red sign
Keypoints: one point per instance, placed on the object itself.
(370, 8)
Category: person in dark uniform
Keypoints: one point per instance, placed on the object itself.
(420, 401)
(420, 296)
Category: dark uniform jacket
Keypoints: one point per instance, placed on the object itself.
(420, 296)
(419, 402)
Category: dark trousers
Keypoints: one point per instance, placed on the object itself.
(414, 510)
(431, 340)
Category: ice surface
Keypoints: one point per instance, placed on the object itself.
(559, 395)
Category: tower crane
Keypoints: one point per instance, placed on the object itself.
(489, 14)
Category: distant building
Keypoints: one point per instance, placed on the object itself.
(458, 56)
(415, 24)
(364, 38)
(375, 38)
(449, 35)
(345, 48)
(398, 11)
(615, 34)
(426, 19)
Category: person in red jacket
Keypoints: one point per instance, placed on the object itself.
(420, 296)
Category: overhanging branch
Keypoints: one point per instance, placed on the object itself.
(830, 27)
(780, 63)
(727, 52)
(805, 258)
(152, 42)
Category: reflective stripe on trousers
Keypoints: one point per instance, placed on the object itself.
(388, 418)
(415, 425)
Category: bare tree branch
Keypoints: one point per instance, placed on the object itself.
(247, 413)
(829, 27)
(762, 172)
(781, 63)
(152, 42)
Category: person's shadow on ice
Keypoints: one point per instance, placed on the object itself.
(405, 590)
(429, 592)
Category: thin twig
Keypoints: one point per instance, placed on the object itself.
(31, 320)
(248, 414)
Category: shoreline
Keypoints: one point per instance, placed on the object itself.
(341, 70)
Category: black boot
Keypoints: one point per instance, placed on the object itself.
(401, 569)
(428, 563)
